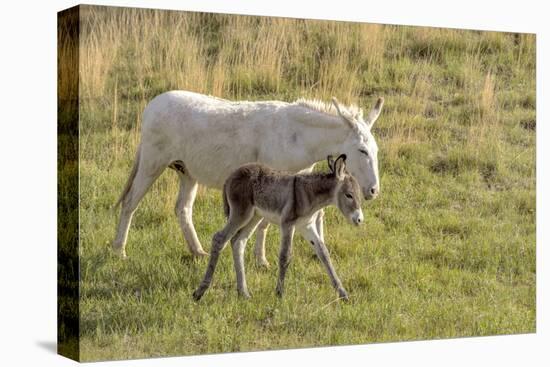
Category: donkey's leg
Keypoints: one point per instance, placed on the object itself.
(236, 221)
(287, 232)
(184, 212)
(310, 233)
(319, 224)
(145, 176)
(238, 243)
(259, 248)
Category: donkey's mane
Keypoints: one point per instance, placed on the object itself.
(325, 107)
(312, 104)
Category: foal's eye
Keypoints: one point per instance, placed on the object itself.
(349, 196)
(364, 152)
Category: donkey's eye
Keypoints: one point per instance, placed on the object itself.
(364, 152)
(349, 196)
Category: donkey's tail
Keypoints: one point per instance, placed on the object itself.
(225, 202)
(130, 179)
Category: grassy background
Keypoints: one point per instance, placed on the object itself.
(447, 250)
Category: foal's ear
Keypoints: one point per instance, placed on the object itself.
(340, 166)
(330, 161)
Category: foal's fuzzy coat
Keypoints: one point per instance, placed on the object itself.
(254, 191)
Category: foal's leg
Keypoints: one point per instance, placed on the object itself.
(236, 221)
(287, 232)
(259, 248)
(184, 212)
(309, 232)
(319, 224)
(238, 243)
(145, 176)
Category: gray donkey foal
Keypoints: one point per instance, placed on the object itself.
(254, 191)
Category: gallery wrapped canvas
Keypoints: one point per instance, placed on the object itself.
(383, 177)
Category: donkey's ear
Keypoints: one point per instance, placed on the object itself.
(375, 112)
(345, 115)
(330, 162)
(340, 166)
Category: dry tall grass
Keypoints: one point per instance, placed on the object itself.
(229, 56)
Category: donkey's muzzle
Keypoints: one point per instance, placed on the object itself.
(372, 193)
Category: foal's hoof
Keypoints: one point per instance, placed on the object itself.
(244, 295)
(120, 252)
(197, 295)
(343, 295)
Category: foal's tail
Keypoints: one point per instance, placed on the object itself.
(130, 179)
(225, 202)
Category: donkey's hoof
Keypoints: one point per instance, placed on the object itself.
(263, 263)
(200, 253)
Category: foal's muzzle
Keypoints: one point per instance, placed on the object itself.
(357, 217)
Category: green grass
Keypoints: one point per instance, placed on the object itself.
(447, 250)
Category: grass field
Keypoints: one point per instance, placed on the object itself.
(447, 250)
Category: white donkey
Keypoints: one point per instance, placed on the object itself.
(204, 139)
